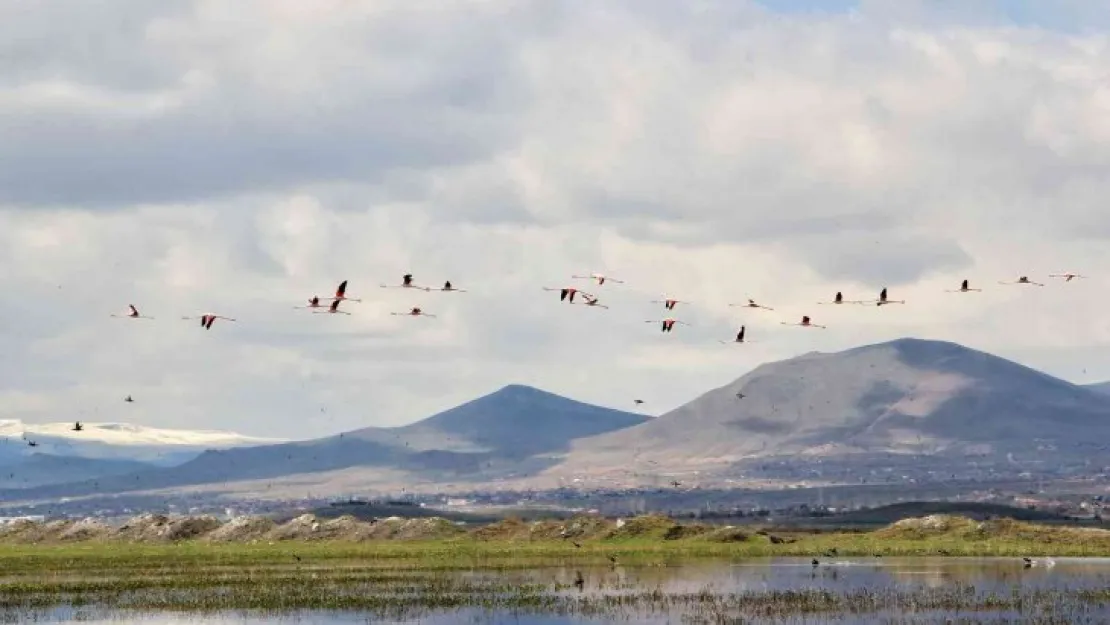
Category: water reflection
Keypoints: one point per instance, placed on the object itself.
(720, 591)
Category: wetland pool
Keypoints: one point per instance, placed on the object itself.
(774, 590)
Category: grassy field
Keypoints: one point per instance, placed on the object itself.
(490, 568)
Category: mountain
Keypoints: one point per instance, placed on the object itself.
(516, 430)
(114, 441)
(517, 421)
(45, 469)
(1100, 387)
(908, 402)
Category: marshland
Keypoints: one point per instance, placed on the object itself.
(588, 569)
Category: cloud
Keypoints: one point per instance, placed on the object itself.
(196, 156)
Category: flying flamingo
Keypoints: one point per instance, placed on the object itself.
(1067, 276)
(312, 303)
(805, 323)
(599, 278)
(839, 299)
(739, 337)
(1022, 280)
(341, 293)
(964, 288)
(566, 293)
(592, 301)
(666, 324)
(447, 287)
(334, 308)
(414, 312)
(206, 321)
(883, 301)
(751, 304)
(406, 283)
(132, 313)
(669, 303)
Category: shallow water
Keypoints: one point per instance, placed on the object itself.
(779, 590)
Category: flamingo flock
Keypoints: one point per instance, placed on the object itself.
(574, 295)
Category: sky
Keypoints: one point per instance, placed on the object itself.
(199, 156)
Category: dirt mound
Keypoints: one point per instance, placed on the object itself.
(926, 527)
(728, 534)
(304, 527)
(153, 528)
(20, 531)
(85, 529)
(641, 527)
(1008, 529)
(244, 529)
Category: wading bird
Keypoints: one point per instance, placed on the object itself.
(413, 312)
(964, 288)
(334, 308)
(669, 303)
(1022, 280)
(739, 337)
(566, 293)
(666, 324)
(637, 401)
(751, 304)
(805, 323)
(883, 301)
(406, 283)
(1067, 276)
(206, 321)
(77, 427)
(599, 278)
(132, 313)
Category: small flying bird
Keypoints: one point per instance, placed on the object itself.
(637, 401)
(964, 288)
(751, 304)
(740, 395)
(666, 324)
(206, 321)
(1067, 276)
(312, 303)
(334, 308)
(676, 483)
(447, 287)
(77, 427)
(669, 303)
(1022, 280)
(805, 323)
(128, 399)
(406, 283)
(132, 313)
(413, 312)
(883, 301)
(32, 443)
(739, 337)
(566, 293)
(599, 278)
(839, 299)
(592, 301)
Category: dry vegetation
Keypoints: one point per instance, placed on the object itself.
(931, 535)
(401, 568)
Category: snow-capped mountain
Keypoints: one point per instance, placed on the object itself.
(114, 441)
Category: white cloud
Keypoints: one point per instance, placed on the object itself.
(194, 157)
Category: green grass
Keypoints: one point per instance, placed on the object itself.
(495, 569)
